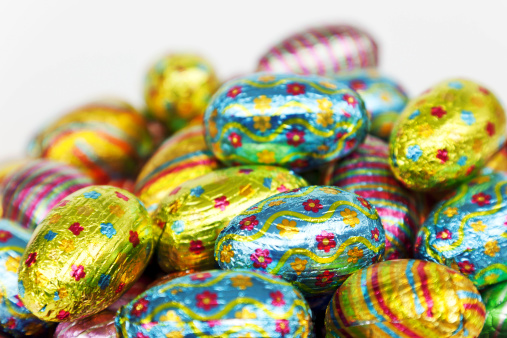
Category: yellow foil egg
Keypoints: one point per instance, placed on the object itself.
(193, 215)
(88, 250)
(445, 135)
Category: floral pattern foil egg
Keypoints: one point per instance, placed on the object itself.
(290, 120)
(495, 300)
(406, 298)
(445, 135)
(100, 325)
(15, 318)
(180, 158)
(314, 237)
(466, 231)
(85, 254)
(323, 50)
(194, 213)
(218, 304)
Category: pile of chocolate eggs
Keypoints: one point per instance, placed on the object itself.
(308, 198)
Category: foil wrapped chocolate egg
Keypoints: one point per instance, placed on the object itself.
(495, 300)
(290, 120)
(182, 157)
(107, 140)
(178, 88)
(445, 135)
(322, 50)
(35, 187)
(85, 254)
(100, 325)
(218, 304)
(466, 230)
(195, 212)
(366, 172)
(406, 298)
(15, 318)
(314, 237)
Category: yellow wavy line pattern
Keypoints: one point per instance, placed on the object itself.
(234, 329)
(498, 266)
(457, 197)
(13, 248)
(298, 80)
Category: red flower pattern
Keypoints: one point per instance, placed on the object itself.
(326, 241)
(76, 228)
(202, 276)
(248, 223)
(234, 91)
(444, 234)
(140, 307)
(357, 85)
(277, 298)
(206, 300)
(62, 315)
(375, 234)
(261, 258)
(296, 89)
(438, 112)
(282, 326)
(351, 100)
(235, 140)
(31, 259)
(120, 288)
(221, 203)
(134, 238)
(299, 163)
(483, 90)
(481, 199)
(120, 195)
(77, 272)
(442, 155)
(490, 129)
(466, 267)
(295, 137)
(196, 247)
(5, 236)
(282, 188)
(312, 205)
(364, 202)
(324, 279)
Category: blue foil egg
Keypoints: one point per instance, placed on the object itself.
(218, 304)
(290, 120)
(314, 237)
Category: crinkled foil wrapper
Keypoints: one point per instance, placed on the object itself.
(406, 298)
(85, 254)
(100, 325)
(193, 215)
(218, 304)
(495, 300)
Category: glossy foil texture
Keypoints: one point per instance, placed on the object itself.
(406, 298)
(182, 157)
(193, 215)
(495, 300)
(35, 187)
(466, 231)
(178, 87)
(15, 318)
(85, 254)
(445, 135)
(498, 162)
(366, 172)
(107, 140)
(218, 304)
(314, 237)
(296, 121)
(322, 50)
(100, 325)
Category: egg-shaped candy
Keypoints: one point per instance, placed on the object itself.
(106, 139)
(314, 237)
(29, 193)
(366, 172)
(495, 300)
(323, 50)
(85, 254)
(290, 120)
(195, 212)
(180, 158)
(406, 298)
(218, 304)
(445, 134)
(15, 318)
(100, 325)
(466, 230)
(178, 88)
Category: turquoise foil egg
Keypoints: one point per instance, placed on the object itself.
(15, 318)
(314, 237)
(291, 120)
(218, 303)
(466, 231)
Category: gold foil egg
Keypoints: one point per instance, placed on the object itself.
(85, 254)
(445, 135)
(194, 213)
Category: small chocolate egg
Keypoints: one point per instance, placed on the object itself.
(314, 237)
(182, 157)
(218, 304)
(291, 120)
(29, 193)
(445, 134)
(15, 318)
(195, 212)
(82, 257)
(466, 230)
(406, 298)
(322, 50)
(495, 300)
(100, 325)
(178, 87)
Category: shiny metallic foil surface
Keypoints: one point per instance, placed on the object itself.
(85, 254)
(10, 166)
(495, 299)
(100, 325)
(445, 135)
(178, 87)
(323, 50)
(466, 230)
(406, 298)
(218, 304)
(195, 212)
(296, 121)
(497, 162)
(314, 237)
(366, 172)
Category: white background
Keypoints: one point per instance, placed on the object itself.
(55, 55)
